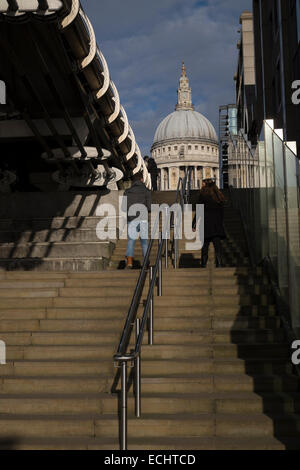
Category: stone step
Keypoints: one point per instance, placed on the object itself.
(61, 352)
(216, 366)
(179, 337)
(38, 293)
(190, 300)
(54, 264)
(217, 350)
(158, 443)
(66, 302)
(161, 323)
(169, 351)
(248, 336)
(46, 224)
(102, 368)
(46, 426)
(239, 311)
(236, 323)
(235, 426)
(36, 284)
(35, 309)
(168, 280)
(61, 338)
(46, 275)
(86, 302)
(56, 250)
(203, 425)
(97, 292)
(50, 235)
(72, 405)
(113, 282)
(150, 367)
(101, 325)
(99, 403)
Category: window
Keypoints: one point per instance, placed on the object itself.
(233, 120)
(169, 149)
(196, 147)
(202, 148)
(190, 147)
(175, 148)
(2, 92)
(208, 149)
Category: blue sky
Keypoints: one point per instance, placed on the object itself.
(145, 42)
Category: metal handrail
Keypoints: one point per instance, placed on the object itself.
(122, 357)
(183, 189)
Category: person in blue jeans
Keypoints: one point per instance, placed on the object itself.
(137, 194)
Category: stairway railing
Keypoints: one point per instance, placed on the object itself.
(122, 357)
(183, 190)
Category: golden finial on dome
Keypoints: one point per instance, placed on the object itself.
(183, 69)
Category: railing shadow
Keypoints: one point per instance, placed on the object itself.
(26, 222)
(266, 355)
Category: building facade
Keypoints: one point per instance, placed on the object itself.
(228, 126)
(268, 68)
(185, 139)
(267, 75)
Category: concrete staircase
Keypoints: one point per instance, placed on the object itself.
(53, 232)
(219, 375)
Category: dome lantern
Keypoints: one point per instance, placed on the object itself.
(184, 92)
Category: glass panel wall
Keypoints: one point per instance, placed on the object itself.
(265, 186)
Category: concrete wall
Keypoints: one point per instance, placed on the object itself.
(54, 204)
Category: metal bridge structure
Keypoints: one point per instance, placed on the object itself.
(62, 124)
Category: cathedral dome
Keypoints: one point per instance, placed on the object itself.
(185, 124)
(185, 141)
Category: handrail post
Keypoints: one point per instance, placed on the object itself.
(175, 253)
(160, 270)
(175, 241)
(166, 252)
(123, 429)
(151, 320)
(165, 235)
(137, 375)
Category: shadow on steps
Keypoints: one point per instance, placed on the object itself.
(266, 354)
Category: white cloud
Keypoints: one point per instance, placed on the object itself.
(144, 43)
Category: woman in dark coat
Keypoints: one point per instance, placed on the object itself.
(213, 201)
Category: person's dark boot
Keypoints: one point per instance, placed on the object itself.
(219, 262)
(204, 255)
(204, 259)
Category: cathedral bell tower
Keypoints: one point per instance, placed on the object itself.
(184, 93)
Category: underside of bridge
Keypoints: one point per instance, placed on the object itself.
(62, 125)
